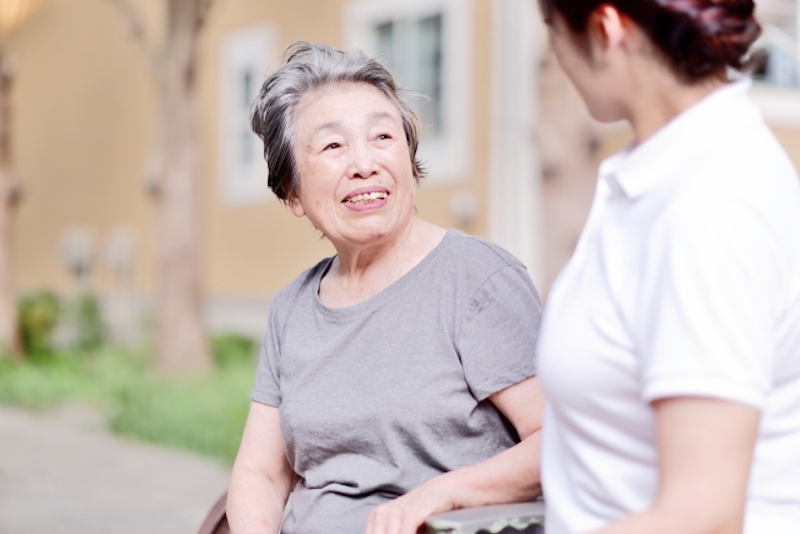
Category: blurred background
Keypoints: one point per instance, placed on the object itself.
(139, 244)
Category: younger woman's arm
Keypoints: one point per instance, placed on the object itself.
(705, 448)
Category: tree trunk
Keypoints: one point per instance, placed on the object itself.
(181, 343)
(9, 193)
(568, 142)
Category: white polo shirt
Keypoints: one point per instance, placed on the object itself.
(685, 282)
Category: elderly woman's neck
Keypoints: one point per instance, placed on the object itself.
(361, 272)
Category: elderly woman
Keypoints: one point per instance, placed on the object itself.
(397, 378)
(670, 347)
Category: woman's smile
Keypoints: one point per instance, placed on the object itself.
(366, 199)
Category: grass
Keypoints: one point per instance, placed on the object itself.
(205, 414)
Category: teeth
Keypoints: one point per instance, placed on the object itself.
(363, 197)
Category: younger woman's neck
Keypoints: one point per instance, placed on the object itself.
(660, 97)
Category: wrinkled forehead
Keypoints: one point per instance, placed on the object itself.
(335, 102)
(337, 87)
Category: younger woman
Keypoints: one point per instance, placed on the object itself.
(670, 345)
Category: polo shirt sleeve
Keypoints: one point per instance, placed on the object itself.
(707, 302)
(497, 336)
(266, 389)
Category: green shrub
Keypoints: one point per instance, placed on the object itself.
(88, 322)
(39, 313)
(205, 415)
(230, 349)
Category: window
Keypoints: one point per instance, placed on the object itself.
(781, 43)
(244, 60)
(426, 45)
(777, 91)
(412, 50)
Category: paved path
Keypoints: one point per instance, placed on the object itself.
(62, 472)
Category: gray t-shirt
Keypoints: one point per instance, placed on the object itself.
(378, 397)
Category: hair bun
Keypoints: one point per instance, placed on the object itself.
(700, 38)
(712, 35)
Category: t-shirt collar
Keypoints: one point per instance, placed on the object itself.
(638, 169)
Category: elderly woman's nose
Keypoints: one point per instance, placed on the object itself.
(362, 163)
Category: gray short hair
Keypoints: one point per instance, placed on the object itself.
(308, 66)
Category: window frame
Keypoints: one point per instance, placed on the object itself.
(780, 31)
(246, 51)
(780, 105)
(448, 155)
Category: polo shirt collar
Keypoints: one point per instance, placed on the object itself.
(658, 161)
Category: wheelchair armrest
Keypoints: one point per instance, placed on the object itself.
(216, 522)
(520, 518)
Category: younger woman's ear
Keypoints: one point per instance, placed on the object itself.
(607, 28)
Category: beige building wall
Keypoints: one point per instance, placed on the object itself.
(790, 139)
(81, 133)
(83, 128)
(84, 106)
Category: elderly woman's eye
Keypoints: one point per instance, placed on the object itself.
(384, 136)
(330, 146)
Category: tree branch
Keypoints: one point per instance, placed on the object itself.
(203, 8)
(137, 29)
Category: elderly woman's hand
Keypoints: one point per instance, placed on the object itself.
(407, 513)
(511, 476)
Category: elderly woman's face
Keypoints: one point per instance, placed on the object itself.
(355, 176)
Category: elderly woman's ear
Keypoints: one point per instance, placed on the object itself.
(296, 206)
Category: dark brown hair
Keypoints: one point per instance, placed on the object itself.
(700, 38)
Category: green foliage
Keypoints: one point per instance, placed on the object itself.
(232, 349)
(88, 322)
(205, 414)
(45, 380)
(39, 313)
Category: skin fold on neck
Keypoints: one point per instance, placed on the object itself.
(360, 272)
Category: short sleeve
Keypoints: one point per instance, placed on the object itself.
(707, 303)
(497, 336)
(266, 389)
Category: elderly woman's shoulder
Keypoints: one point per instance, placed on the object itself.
(478, 250)
(478, 265)
(305, 283)
(475, 260)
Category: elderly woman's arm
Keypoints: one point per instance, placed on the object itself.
(511, 476)
(705, 447)
(262, 478)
